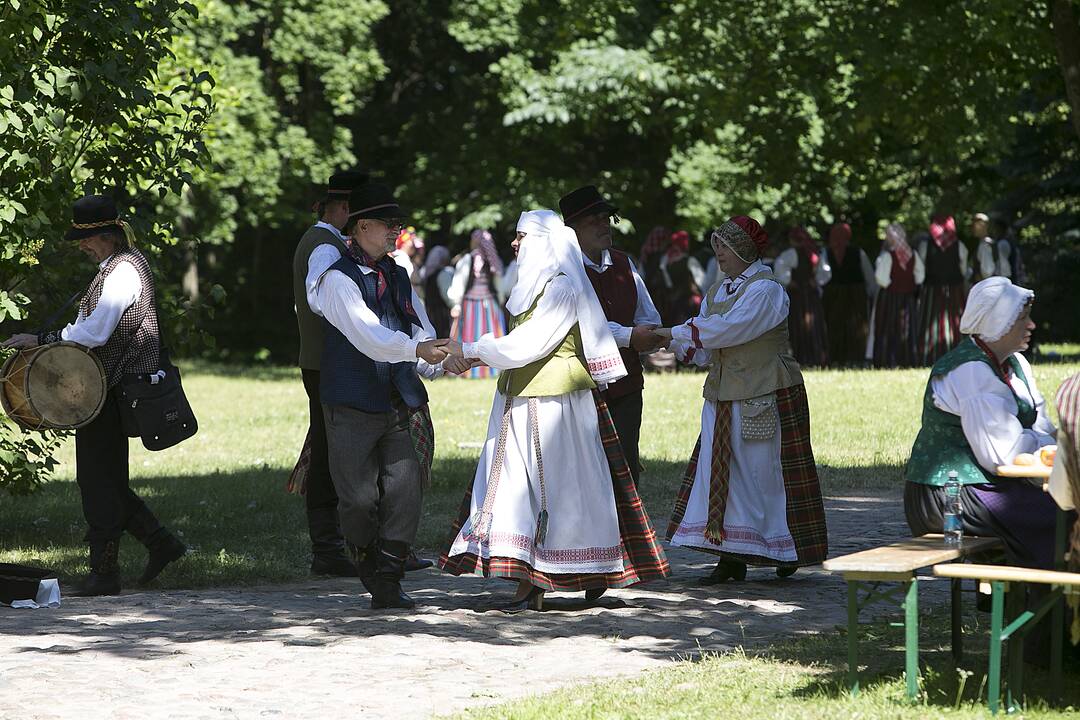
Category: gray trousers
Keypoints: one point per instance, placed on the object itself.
(375, 472)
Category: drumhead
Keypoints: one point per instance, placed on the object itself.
(66, 384)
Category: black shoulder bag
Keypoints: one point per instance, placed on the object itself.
(158, 412)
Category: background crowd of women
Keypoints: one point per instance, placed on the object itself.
(900, 309)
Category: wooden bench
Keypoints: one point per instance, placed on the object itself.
(995, 580)
(898, 563)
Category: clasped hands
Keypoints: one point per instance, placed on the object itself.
(445, 351)
(647, 338)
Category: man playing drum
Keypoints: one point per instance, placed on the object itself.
(118, 320)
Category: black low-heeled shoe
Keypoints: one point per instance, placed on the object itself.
(533, 601)
(786, 571)
(595, 594)
(725, 570)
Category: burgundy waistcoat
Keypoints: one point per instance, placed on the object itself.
(618, 296)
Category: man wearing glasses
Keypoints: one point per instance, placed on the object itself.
(377, 342)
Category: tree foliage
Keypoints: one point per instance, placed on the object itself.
(84, 107)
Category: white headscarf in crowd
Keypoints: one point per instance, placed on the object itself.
(993, 306)
(552, 248)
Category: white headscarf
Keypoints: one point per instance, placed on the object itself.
(993, 306)
(552, 248)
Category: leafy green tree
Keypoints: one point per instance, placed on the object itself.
(88, 103)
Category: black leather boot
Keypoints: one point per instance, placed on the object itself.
(328, 556)
(164, 548)
(386, 589)
(364, 563)
(104, 577)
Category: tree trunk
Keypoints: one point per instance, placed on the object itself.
(1067, 40)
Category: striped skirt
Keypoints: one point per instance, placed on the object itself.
(895, 330)
(642, 556)
(480, 316)
(940, 308)
(803, 509)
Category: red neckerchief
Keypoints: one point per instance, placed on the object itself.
(366, 260)
(1004, 370)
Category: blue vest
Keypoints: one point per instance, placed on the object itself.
(349, 377)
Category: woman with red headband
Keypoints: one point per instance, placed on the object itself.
(750, 493)
(941, 303)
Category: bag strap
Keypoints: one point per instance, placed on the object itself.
(63, 308)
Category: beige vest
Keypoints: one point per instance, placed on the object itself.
(759, 367)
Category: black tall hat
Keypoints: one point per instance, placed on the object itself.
(374, 201)
(584, 201)
(343, 182)
(92, 214)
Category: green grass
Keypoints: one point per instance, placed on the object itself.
(223, 489)
(795, 680)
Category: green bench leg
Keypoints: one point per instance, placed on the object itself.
(957, 622)
(997, 611)
(911, 640)
(853, 636)
(1015, 601)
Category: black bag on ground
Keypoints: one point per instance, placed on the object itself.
(20, 582)
(159, 413)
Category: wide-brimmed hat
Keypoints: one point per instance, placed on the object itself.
(91, 215)
(343, 182)
(584, 201)
(376, 202)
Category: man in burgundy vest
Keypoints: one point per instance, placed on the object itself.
(630, 311)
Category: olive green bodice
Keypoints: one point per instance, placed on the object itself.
(560, 372)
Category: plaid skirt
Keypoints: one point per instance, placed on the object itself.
(804, 508)
(643, 557)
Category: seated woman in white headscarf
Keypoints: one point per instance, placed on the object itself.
(981, 409)
(552, 504)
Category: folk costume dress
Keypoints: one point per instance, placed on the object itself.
(796, 269)
(476, 288)
(979, 414)
(552, 501)
(848, 280)
(941, 303)
(899, 272)
(750, 492)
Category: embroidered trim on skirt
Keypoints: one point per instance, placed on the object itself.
(805, 510)
(642, 555)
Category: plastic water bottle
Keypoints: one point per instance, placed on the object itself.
(953, 526)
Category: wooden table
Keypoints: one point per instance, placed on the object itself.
(898, 563)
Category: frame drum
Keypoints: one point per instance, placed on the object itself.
(60, 386)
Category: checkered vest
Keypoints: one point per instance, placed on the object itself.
(135, 344)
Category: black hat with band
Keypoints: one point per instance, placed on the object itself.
(343, 182)
(376, 202)
(584, 201)
(93, 215)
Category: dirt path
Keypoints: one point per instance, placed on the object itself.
(315, 649)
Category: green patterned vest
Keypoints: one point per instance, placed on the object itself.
(561, 372)
(940, 445)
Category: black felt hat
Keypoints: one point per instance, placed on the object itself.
(91, 215)
(343, 182)
(584, 201)
(374, 201)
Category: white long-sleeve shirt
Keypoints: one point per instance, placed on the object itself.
(120, 289)
(987, 410)
(338, 299)
(763, 306)
(460, 283)
(552, 320)
(645, 312)
(883, 269)
(988, 264)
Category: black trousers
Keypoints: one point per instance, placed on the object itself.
(321, 498)
(626, 414)
(101, 470)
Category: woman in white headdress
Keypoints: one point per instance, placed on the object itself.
(982, 409)
(552, 504)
